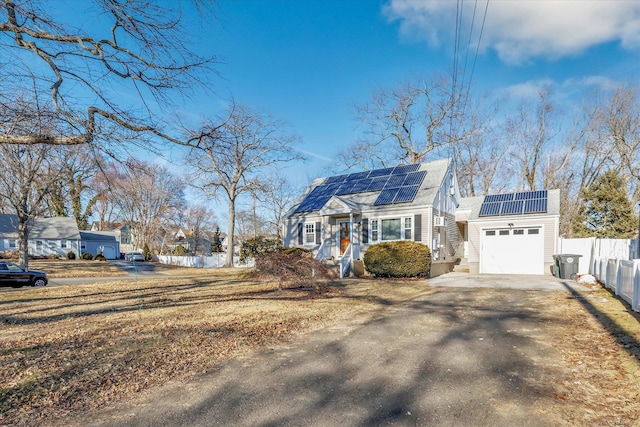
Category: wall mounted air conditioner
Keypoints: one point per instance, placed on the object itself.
(438, 221)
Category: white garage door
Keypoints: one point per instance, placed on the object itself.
(512, 251)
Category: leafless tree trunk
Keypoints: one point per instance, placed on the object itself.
(233, 155)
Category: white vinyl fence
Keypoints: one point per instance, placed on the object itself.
(213, 261)
(621, 276)
(612, 261)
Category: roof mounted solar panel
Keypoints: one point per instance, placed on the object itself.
(334, 179)
(406, 168)
(359, 175)
(490, 209)
(415, 178)
(377, 183)
(361, 185)
(386, 196)
(498, 198)
(512, 207)
(395, 181)
(380, 172)
(535, 206)
(406, 194)
(527, 195)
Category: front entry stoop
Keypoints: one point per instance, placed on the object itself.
(462, 266)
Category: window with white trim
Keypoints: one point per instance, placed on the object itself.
(310, 234)
(63, 243)
(407, 228)
(388, 229)
(374, 230)
(12, 243)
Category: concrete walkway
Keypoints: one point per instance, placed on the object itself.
(455, 357)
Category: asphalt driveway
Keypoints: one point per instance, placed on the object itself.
(461, 355)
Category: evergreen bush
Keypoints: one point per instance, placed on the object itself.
(71, 255)
(257, 246)
(402, 258)
(86, 255)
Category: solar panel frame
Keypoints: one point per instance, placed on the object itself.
(527, 195)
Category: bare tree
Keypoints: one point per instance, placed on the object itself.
(232, 157)
(276, 197)
(138, 47)
(24, 169)
(145, 194)
(530, 132)
(404, 124)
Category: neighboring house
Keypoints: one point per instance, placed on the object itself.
(105, 242)
(188, 240)
(514, 233)
(122, 232)
(53, 235)
(339, 217)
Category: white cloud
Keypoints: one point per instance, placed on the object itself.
(521, 30)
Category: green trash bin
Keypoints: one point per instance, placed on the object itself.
(566, 266)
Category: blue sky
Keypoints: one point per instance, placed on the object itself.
(309, 62)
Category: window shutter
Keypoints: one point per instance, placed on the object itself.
(417, 228)
(365, 230)
(318, 232)
(300, 233)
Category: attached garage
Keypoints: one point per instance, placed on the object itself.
(513, 233)
(512, 250)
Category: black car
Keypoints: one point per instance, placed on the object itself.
(13, 275)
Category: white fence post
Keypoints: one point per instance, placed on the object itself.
(635, 303)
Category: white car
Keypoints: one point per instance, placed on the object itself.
(134, 257)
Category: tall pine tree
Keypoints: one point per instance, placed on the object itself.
(605, 209)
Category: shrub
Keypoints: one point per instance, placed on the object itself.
(257, 246)
(86, 255)
(146, 252)
(71, 255)
(99, 257)
(291, 269)
(53, 256)
(179, 250)
(398, 259)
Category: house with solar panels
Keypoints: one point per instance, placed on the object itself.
(339, 217)
(514, 233)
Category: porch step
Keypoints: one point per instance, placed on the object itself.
(462, 266)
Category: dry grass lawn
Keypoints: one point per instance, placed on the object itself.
(75, 268)
(69, 349)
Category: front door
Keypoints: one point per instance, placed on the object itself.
(344, 236)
